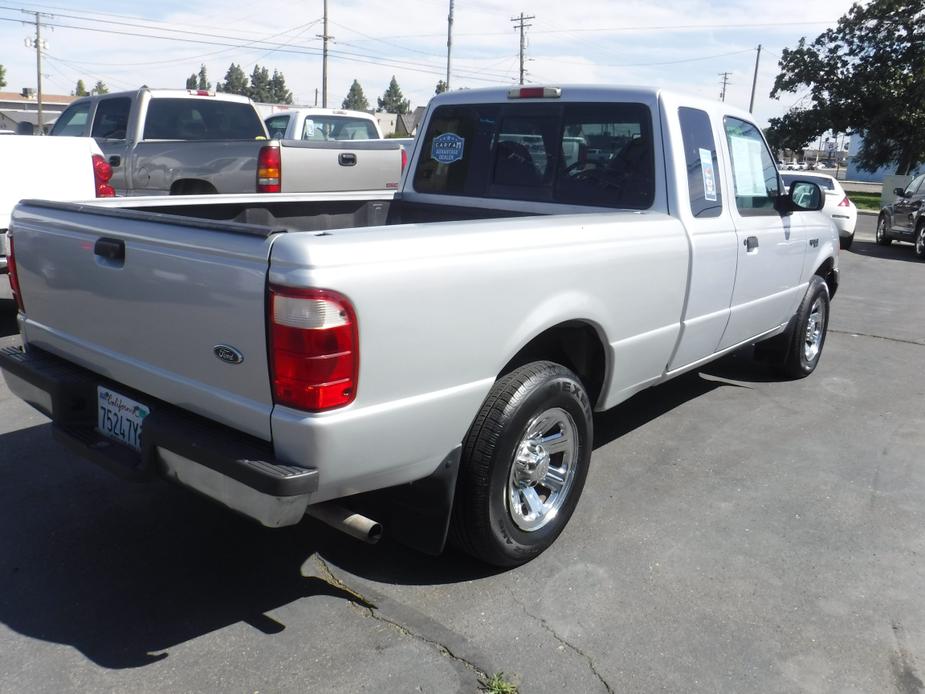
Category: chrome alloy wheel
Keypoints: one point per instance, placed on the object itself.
(815, 326)
(881, 230)
(543, 469)
(920, 242)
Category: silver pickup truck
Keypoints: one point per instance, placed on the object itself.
(424, 363)
(189, 142)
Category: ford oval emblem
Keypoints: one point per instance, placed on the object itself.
(228, 354)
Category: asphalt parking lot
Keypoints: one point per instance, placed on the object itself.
(736, 534)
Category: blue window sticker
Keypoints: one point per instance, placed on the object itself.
(447, 148)
(709, 177)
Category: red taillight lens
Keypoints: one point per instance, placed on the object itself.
(102, 172)
(14, 278)
(269, 170)
(845, 203)
(404, 158)
(534, 93)
(314, 348)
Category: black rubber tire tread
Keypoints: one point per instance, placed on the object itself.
(845, 242)
(470, 528)
(792, 365)
(886, 240)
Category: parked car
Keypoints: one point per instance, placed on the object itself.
(64, 168)
(189, 142)
(838, 205)
(425, 362)
(904, 218)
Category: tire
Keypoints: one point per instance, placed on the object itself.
(808, 332)
(882, 233)
(500, 515)
(845, 242)
(920, 241)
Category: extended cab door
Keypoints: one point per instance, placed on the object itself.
(771, 245)
(110, 130)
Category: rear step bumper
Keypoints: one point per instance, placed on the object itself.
(226, 465)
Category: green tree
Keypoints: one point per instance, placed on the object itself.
(260, 85)
(191, 81)
(100, 88)
(355, 99)
(441, 87)
(81, 89)
(279, 94)
(393, 101)
(866, 75)
(202, 80)
(2, 76)
(235, 81)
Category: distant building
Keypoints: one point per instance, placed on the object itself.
(19, 110)
(407, 124)
(856, 174)
(386, 121)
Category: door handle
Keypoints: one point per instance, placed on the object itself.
(751, 243)
(110, 249)
(347, 159)
(115, 160)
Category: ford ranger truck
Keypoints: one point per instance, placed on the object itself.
(424, 363)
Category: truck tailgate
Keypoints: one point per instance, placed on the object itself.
(310, 166)
(150, 301)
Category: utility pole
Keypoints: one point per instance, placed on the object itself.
(316, 96)
(324, 58)
(37, 43)
(449, 44)
(725, 76)
(520, 23)
(751, 102)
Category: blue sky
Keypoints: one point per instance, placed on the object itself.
(682, 45)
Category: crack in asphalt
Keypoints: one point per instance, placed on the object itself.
(853, 333)
(575, 649)
(372, 611)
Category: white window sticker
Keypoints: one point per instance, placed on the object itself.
(309, 128)
(709, 175)
(747, 169)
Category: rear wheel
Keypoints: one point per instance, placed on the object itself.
(920, 241)
(846, 241)
(525, 460)
(882, 234)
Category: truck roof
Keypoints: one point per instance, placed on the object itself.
(173, 94)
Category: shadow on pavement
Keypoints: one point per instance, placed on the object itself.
(123, 572)
(895, 251)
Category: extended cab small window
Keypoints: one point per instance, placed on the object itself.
(73, 122)
(110, 122)
(702, 164)
(754, 173)
(585, 154)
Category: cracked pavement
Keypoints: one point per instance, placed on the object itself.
(736, 534)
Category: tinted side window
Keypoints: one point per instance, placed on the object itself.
(702, 164)
(276, 125)
(201, 119)
(914, 186)
(111, 119)
(754, 175)
(73, 122)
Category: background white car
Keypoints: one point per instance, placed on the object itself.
(837, 204)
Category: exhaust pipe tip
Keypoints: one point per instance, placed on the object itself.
(343, 519)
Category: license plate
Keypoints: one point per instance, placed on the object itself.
(120, 418)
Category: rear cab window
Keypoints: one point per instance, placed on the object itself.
(201, 119)
(594, 154)
(321, 128)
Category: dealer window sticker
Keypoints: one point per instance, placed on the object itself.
(447, 148)
(709, 175)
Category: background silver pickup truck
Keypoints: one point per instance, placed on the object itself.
(431, 359)
(188, 142)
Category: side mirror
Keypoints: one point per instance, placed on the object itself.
(899, 192)
(806, 197)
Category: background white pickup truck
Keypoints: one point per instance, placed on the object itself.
(430, 359)
(64, 168)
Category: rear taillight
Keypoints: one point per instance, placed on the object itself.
(14, 278)
(314, 348)
(845, 203)
(102, 172)
(404, 158)
(269, 170)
